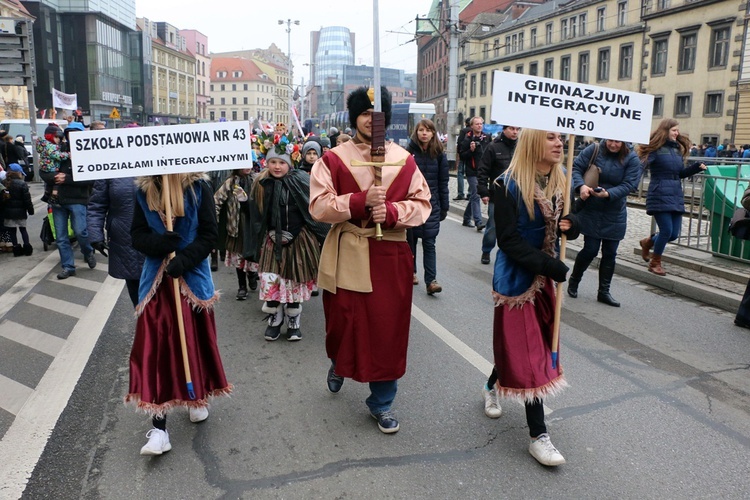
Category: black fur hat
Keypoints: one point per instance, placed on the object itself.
(359, 102)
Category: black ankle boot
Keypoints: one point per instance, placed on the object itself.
(17, 250)
(606, 270)
(28, 249)
(573, 286)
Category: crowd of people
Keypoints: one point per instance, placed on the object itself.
(316, 214)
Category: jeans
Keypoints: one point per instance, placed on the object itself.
(382, 395)
(670, 224)
(460, 171)
(429, 256)
(473, 208)
(489, 240)
(77, 215)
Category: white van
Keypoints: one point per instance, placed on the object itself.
(16, 127)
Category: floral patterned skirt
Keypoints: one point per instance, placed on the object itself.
(292, 278)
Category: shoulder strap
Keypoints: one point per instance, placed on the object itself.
(594, 154)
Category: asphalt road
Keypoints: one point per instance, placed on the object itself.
(658, 407)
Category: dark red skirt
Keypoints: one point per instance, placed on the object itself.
(157, 373)
(368, 333)
(522, 340)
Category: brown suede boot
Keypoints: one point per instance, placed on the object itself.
(646, 245)
(655, 266)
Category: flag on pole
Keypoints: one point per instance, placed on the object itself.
(64, 101)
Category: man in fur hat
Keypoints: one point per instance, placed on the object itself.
(367, 282)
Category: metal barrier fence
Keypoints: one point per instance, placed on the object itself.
(711, 199)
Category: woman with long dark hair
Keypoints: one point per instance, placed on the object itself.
(603, 213)
(665, 156)
(529, 199)
(428, 153)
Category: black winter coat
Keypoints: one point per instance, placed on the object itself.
(494, 161)
(111, 208)
(471, 159)
(435, 172)
(18, 200)
(606, 218)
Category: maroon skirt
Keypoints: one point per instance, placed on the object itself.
(157, 373)
(522, 340)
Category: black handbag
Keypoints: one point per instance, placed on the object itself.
(739, 226)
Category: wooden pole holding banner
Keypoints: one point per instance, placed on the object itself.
(175, 283)
(377, 105)
(563, 243)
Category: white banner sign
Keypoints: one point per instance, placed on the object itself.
(571, 108)
(64, 101)
(137, 151)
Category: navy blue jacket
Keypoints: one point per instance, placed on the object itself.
(606, 218)
(435, 172)
(111, 207)
(667, 168)
(19, 203)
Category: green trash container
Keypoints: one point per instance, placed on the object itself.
(723, 190)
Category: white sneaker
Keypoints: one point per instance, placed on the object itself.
(198, 414)
(158, 442)
(545, 452)
(491, 406)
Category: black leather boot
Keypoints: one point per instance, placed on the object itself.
(575, 277)
(606, 270)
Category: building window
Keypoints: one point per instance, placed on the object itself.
(245, 115)
(212, 87)
(507, 45)
(583, 67)
(719, 52)
(622, 13)
(461, 86)
(482, 112)
(601, 15)
(473, 86)
(223, 114)
(472, 112)
(244, 86)
(534, 68)
(483, 84)
(514, 43)
(662, 4)
(532, 38)
(582, 24)
(548, 34)
(234, 100)
(688, 45)
(659, 57)
(486, 51)
(549, 68)
(234, 87)
(564, 33)
(212, 116)
(565, 68)
(520, 41)
(710, 139)
(519, 68)
(602, 67)
(506, 69)
(658, 105)
(714, 104)
(625, 71)
(682, 104)
(496, 48)
(222, 101)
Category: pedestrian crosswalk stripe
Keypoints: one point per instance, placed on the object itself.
(14, 395)
(77, 282)
(57, 305)
(31, 337)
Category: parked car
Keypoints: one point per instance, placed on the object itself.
(16, 127)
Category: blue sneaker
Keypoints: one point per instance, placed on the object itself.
(387, 422)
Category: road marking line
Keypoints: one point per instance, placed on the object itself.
(452, 341)
(56, 305)
(28, 435)
(77, 282)
(14, 397)
(31, 337)
(18, 291)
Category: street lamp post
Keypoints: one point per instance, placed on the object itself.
(289, 23)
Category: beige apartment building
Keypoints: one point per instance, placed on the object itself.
(173, 73)
(240, 90)
(685, 53)
(15, 100)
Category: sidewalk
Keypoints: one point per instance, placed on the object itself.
(694, 274)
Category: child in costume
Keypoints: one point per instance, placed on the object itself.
(157, 373)
(235, 227)
(289, 238)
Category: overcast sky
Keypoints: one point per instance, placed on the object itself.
(247, 24)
